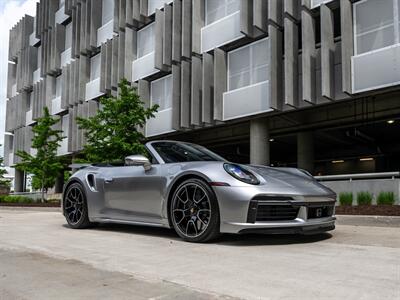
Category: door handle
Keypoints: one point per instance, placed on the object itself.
(108, 180)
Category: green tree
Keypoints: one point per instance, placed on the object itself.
(114, 132)
(3, 181)
(45, 166)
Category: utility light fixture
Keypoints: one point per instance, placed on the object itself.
(366, 159)
(390, 121)
(339, 161)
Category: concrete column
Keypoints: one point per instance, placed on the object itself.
(305, 151)
(259, 142)
(19, 181)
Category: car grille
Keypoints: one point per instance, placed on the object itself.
(259, 212)
(320, 212)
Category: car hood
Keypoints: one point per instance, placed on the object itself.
(292, 180)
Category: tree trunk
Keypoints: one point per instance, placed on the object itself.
(42, 200)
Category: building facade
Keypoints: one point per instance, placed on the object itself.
(307, 83)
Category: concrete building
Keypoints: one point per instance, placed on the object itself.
(307, 83)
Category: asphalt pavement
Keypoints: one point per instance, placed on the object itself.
(41, 258)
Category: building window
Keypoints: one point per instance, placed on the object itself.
(218, 9)
(376, 24)
(95, 67)
(145, 41)
(161, 93)
(248, 65)
(107, 11)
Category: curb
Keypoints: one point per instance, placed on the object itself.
(375, 221)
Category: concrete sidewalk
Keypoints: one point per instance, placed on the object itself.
(352, 262)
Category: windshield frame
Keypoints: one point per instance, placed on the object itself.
(158, 157)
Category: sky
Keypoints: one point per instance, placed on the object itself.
(11, 11)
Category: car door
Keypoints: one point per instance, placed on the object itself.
(133, 194)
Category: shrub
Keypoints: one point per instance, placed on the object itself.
(346, 198)
(16, 199)
(364, 198)
(385, 198)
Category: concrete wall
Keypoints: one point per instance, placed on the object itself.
(374, 186)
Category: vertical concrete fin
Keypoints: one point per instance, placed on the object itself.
(275, 12)
(185, 93)
(196, 92)
(327, 53)
(167, 36)
(130, 51)
(291, 62)
(198, 21)
(187, 28)
(346, 22)
(176, 97)
(276, 68)
(260, 15)
(308, 56)
(177, 31)
(220, 81)
(158, 57)
(95, 21)
(207, 89)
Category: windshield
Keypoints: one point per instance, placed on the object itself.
(172, 152)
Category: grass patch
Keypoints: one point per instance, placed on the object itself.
(364, 198)
(346, 198)
(385, 198)
(15, 199)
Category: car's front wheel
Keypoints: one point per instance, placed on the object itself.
(194, 211)
(75, 207)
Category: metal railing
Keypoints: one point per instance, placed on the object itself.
(350, 177)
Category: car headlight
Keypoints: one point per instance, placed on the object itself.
(241, 174)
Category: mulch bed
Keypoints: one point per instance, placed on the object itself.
(53, 204)
(372, 210)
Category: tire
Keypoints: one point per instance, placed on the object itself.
(194, 212)
(75, 207)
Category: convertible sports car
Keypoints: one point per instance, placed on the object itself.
(193, 190)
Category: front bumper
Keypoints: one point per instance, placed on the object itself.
(237, 215)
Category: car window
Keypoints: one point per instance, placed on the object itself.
(172, 152)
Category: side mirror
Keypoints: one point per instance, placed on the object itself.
(138, 160)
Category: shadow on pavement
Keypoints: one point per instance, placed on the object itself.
(225, 239)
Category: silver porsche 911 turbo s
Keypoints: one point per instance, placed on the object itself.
(199, 194)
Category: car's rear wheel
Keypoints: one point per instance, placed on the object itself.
(194, 211)
(75, 207)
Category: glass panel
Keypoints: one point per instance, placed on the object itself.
(107, 11)
(249, 65)
(161, 93)
(239, 68)
(374, 25)
(232, 6)
(145, 40)
(260, 61)
(239, 80)
(375, 40)
(68, 36)
(373, 15)
(157, 92)
(95, 67)
(217, 9)
(58, 86)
